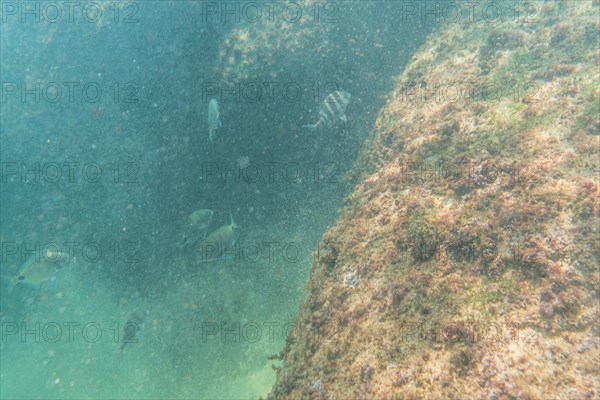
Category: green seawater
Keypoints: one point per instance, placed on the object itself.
(105, 152)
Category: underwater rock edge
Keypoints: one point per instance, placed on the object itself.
(395, 307)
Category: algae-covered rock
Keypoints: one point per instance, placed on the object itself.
(473, 229)
(319, 45)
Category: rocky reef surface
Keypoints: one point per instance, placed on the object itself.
(465, 262)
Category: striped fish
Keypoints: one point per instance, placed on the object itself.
(332, 110)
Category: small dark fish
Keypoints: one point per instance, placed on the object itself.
(332, 110)
(133, 327)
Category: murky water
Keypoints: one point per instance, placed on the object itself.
(106, 109)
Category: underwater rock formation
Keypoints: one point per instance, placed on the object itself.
(320, 46)
(465, 262)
